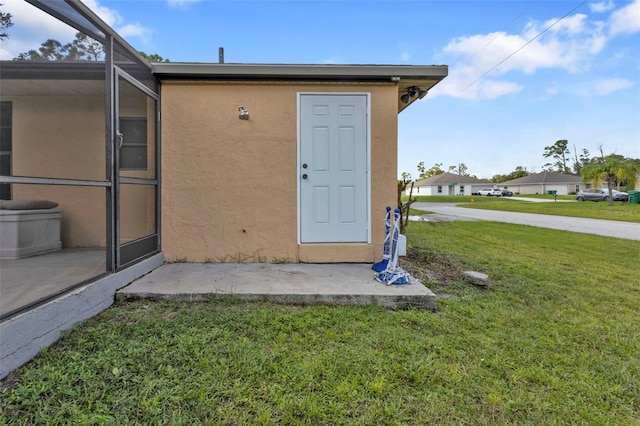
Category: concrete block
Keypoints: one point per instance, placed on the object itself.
(477, 278)
(402, 245)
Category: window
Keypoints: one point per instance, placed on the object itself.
(6, 118)
(133, 152)
(439, 190)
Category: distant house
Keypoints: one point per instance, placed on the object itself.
(449, 184)
(542, 183)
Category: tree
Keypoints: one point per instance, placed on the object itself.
(5, 24)
(559, 152)
(580, 161)
(406, 206)
(610, 170)
(517, 173)
(154, 57)
(436, 169)
(50, 50)
(82, 48)
(85, 48)
(463, 170)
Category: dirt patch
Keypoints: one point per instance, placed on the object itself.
(10, 382)
(432, 266)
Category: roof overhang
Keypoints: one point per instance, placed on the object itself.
(60, 78)
(405, 77)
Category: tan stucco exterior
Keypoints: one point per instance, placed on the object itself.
(63, 137)
(229, 186)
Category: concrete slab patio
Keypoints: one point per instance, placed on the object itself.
(333, 284)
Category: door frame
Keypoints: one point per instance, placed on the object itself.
(299, 97)
(149, 244)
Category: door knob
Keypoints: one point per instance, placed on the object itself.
(304, 166)
(304, 176)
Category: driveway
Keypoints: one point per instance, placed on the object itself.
(607, 228)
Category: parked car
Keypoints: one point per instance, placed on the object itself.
(620, 196)
(601, 195)
(490, 192)
(593, 195)
(506, 193)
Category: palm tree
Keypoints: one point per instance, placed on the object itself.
(610, 170)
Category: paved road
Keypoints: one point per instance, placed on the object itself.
(608, 228)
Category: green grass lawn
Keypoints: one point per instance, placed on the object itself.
(554, 340)
(619, 211)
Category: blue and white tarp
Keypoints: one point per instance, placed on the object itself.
(387, 270)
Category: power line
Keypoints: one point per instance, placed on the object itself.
(522, 47)
(497, 34)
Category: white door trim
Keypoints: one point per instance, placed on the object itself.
(299, 96)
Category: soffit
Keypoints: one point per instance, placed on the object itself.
(57, 78)
(404, 76)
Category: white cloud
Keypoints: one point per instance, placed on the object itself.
(405, 56)
(602, 6)
(552, 50)
(571, 25)
(458, 84)
(113, 18)
(26, 16)
(598, 87)
(135, 30)
(549, 93)
(625, 20)
(181, 3)
(5, 55)
(571, 44)
(491, 89)
(31, 27)
(607, 86)
(334, 60)
(110, 16)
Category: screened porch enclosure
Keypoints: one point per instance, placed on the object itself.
(79, 131)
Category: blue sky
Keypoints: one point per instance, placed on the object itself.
(522, 74)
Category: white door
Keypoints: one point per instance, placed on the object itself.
(333, 168)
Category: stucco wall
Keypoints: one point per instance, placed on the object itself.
(562, 189)
(425, 190)
(229, 186)
(51, 133)
(64, 137)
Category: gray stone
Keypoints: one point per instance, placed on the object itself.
(447, 296)
(477, 278)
